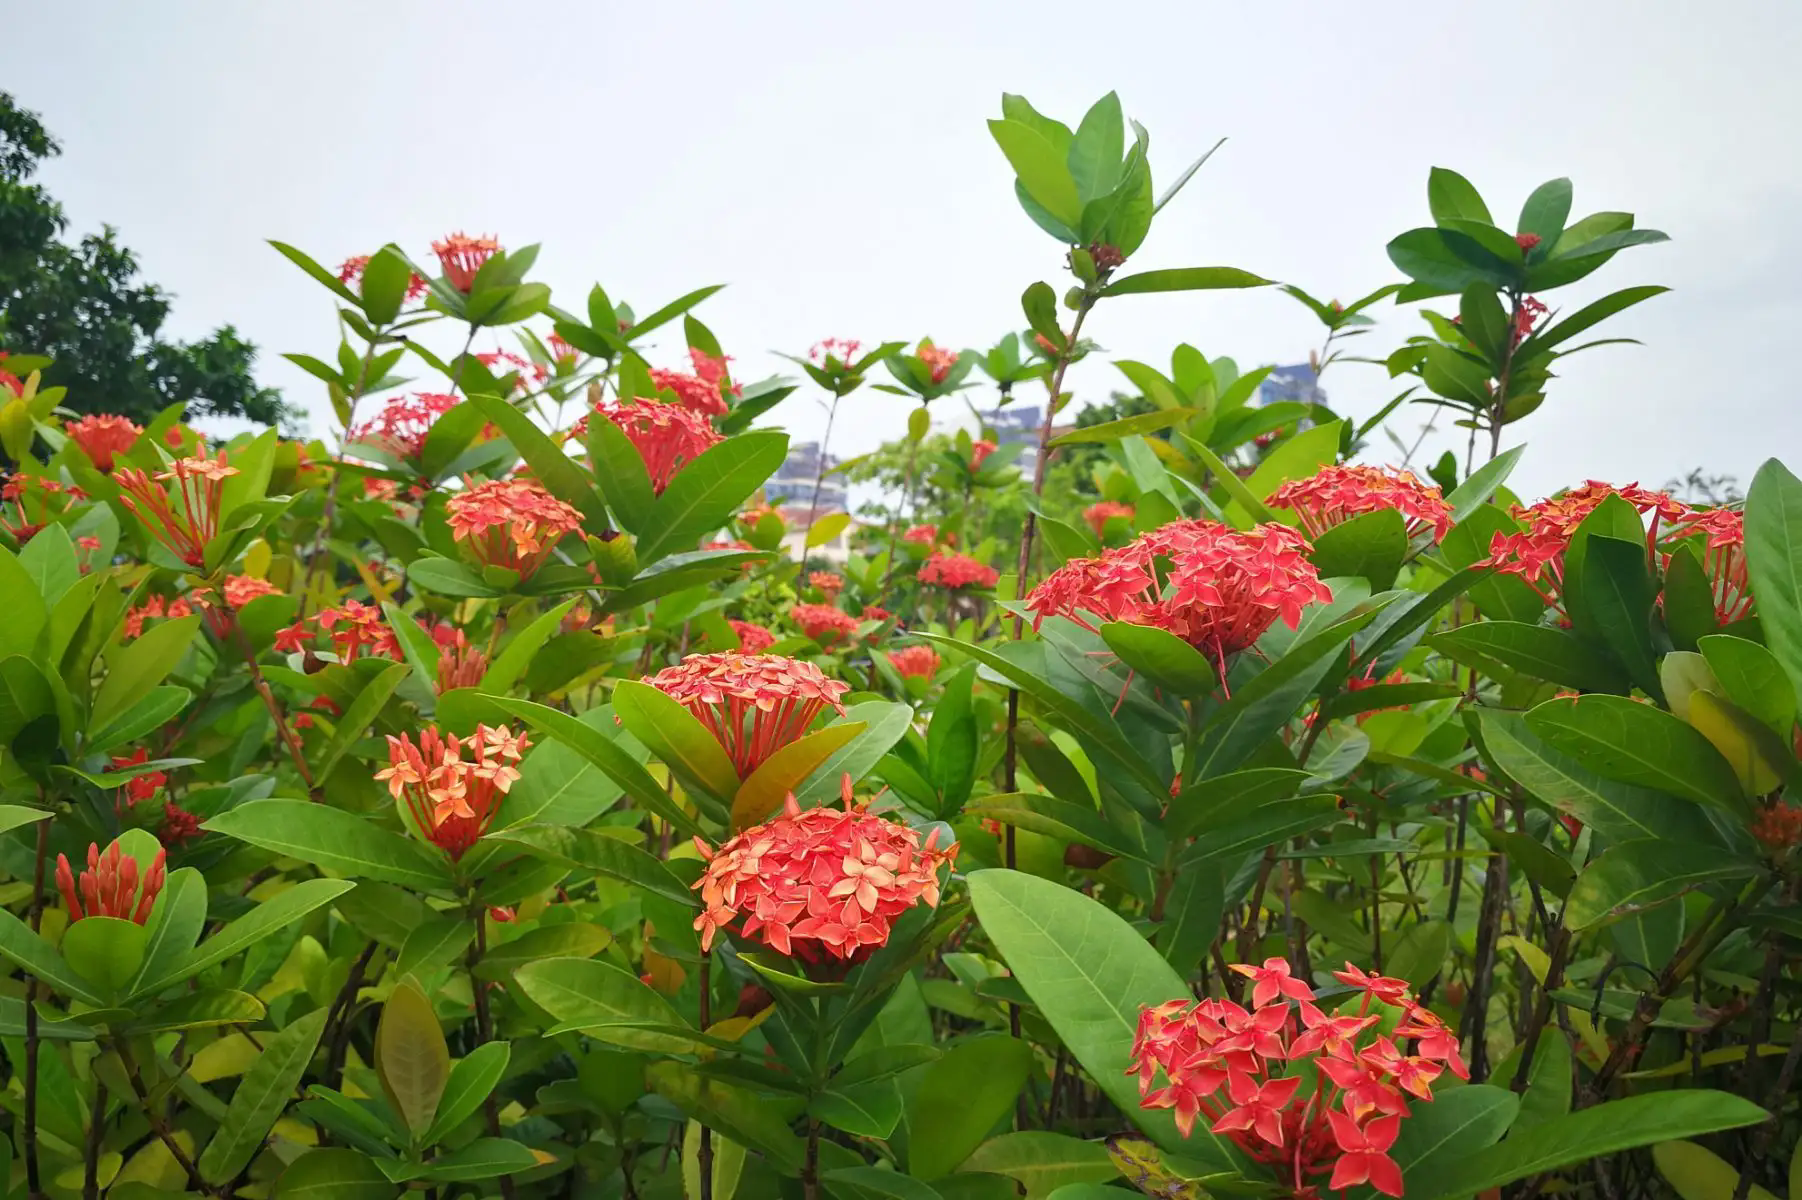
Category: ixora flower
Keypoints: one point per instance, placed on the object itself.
(511, 523)
(752, 638)
(353, 627)
(1722, 533)
(462, 256)
(1099, 514)
(155, 606)
(400, 428)
(110, 887)
(25, 525)
(920, 662)
(238, 591)
(921, 535)
(452, 800)
(1336, 494)
(103, 437)
(819, 883)
(1217, 588)
(824, 623)
(704, 391)
(138, 788)
(980, 451)
(956, 571)
(1303, 1092)
(939, 362)
(668, 437)
(843, 350)
(460, 665)
(353, 267)
(826, 581)
(1536, 555)
(200, 482)
(754, 704)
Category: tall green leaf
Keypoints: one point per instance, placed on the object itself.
(260, 1098)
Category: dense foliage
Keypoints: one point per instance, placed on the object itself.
(498, 797)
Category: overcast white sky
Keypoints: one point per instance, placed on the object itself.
(829, 161)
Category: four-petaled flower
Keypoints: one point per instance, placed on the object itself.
(452, 800)
(510, 523)
(1364, 1154)
(200, 483)
(103, 437)
(1272, 980)
(1337, 493)
(754, 704)
(462, 256)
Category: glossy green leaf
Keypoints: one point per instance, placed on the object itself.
(411, 1059)
(1542, 651)
(271, 915)
(1640, 874)
(334, 839)
(141, 664)
(592, 850)
(334, 1174)
(1162, 657)
(603, 1001)
(1184, 279)
(1042, 1161)
(260, 1098)
(710, 489)
(959, 1099)
(1752, 678)
(1634, 743)
(470, 1082)
(360, 715)
(1371, 546)
(1040, 169)
(677, 738)
(779, 775)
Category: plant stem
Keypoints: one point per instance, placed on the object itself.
(338, 1019)
(1542, 1012)
(33, 1179)
(157, 1124)
(90, 1180)
(485, 1028)
(810, 1168)
(289, 738)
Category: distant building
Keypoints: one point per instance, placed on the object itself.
(1019, 423)
(835, 549)
(793, 484)
(1298, 383)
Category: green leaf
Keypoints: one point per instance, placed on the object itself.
(1296, 458)
(1587, 317)
(1618, 595)
(1634, 743)
(1542, 865)
(1458, 1122)
(1184, 279)
(334, 1174)
(260, 1098)
(1637, 875)
(885, 723)
(1592, 1133)
(153, 710)
(1774, 562)
(1753, 679)
(1212, 803)
(335, 840)
(952, 741)
(1095, 152)
(748, 1118)
(272, 915)
(511, 664)
(779, 775)
(621, 471)
(866, 1110)
(1482, 483)
(678, 739)
(1545, 212)
(470, 1082)
(569, 940)
(828, 527)
(1040, 169)
(1042, 1162)
(1542, 651)
(591, 850)
(138, 666)
(1112, 431)
(1162, 657)
(1370, 546)
(14, 815)
(384, 285)
(1548, 1094)
(204, 1009)
(106, 951)
(411, 1059)
(1091, 975)
(1450, 196)
(602, 1001)
(448, 577)
(959, 1098)
(1444, 260)
(432, 944)
(33, 955)
(709, 490)
(360, 716)
(29, 614)
(1270, 824)
(604, 752)
(1697, 1173)
(728, 1163)
(1452, 375)
(559, 473)
(1060, 819)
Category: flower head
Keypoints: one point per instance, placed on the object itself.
(921, 535)
(560, 350)
(752, 638)
(460, 665)
(820, 883)
(1720, 534)
(826, 581)
(352, 627)
(1778, 826)
(1526, 241)
(179, 825)
(400, 428)
(668, 436)
(828, 351)
(138, 788)
(1335, 494)
(110, 887)
(1536, 555)
(462, 256)
(199, 484)
(102, 437)
(1100, 513)
(511, 523)
(754, 704)
(979, 453)
(920, 662)
(824, 623)
(22, 523)
(1526, 317)
(956, 571)
(452, 799)
(1217, 588)
(938, 360)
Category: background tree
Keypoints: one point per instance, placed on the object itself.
(85, 307)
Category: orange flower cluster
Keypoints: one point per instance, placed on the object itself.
(1778, 826)
(819, 883)
(155, 606)
(752, 638)
(1723, 531)
(110, 886)
(352, 269)
(239, 590)
(400, 428)
(915, 662)
(460, 665)
(353, 627)
(921, 535)
(939, 362)
(452, 800)
(753, 704)
(461, 256)
(1098, 515)
(1217, 588)
(826, 581)
(103, 437)
(668, 437)
(1335, 494)
(511, 523)
(824, 623)
(703, 392)
(956, 571)
(1536, 555)
(14, 492)
(200, 482)
(138, 788)
(979, 453)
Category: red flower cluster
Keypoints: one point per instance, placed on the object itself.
(938, 362)
(1536, 555)
(103, 437)
(110, 885)
(1244, 1071)
(1099, 514)
(462, 256)
(752, 638)
(156, 607)
(15, 491)
(401, 427)
(352, 627)
(512, 523)
(453, 801)
(874, 612)
(956, 571)
(915, 662)
(1225, 587)
(823, 623)
(139, 788)
(754, 704)
(239, 590)
(979, 453)
(703, 392)
(826, 581)
(843, 349)
(1336, 494)
(1526, 241)
(352, 268)
(668, 436)
(1723, 531)
(200, 482)
(820, 882)
(921, 535)
(460, 665)
(1778, 826)
(1526, 317)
